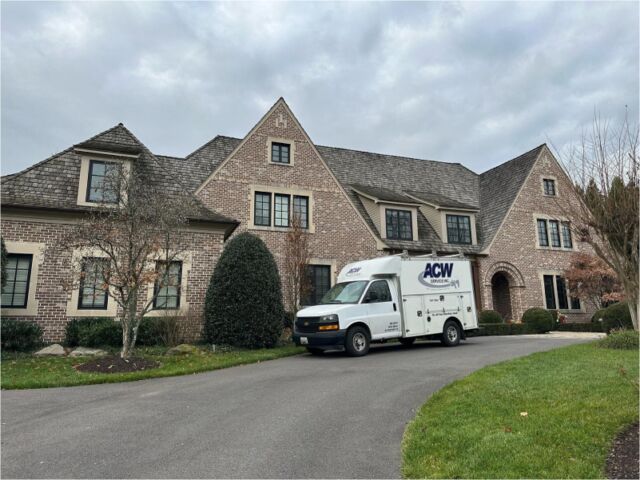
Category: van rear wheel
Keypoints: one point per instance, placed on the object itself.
(451, 334)
(357, 341)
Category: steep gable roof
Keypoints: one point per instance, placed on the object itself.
(499, 188)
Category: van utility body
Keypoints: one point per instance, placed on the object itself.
(391, 297)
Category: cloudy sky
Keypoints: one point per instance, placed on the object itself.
(476, 83)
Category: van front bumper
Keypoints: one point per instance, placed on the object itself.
(325, 340)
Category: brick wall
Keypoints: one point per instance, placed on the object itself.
(340, 233)
(514, 250)
(55, 269)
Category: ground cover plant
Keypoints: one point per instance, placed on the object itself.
(549, 415)
(20, 370)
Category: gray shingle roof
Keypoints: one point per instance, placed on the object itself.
(53, 183)
(498, 190)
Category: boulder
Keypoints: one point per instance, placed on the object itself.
(55, 350)
(183, 349)
(87, 352)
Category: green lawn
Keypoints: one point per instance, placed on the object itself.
(26, 371)
(575, 398)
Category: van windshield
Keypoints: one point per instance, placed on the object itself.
(346, 292)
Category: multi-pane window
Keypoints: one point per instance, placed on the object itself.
(556, 294)
(554, 233)
(16, 289)
(281, 218)
(319, 278)
(459, 229)
(543, 236)
(285, 207)
(301, 210)
(167, 285)
(549, 186)
(103, 182)
(262, 209)
(280, 152)
(399, 225)
(566, 235)
(93, 291)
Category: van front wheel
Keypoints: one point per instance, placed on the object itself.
(451, 334)
(357, 342)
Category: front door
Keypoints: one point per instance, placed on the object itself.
(382, 310)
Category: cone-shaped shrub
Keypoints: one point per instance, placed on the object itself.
(243, 306)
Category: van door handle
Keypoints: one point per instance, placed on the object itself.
(394, 307)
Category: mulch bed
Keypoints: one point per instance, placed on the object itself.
(115, 364)
(623, 459)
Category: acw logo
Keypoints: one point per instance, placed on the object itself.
(438, 275)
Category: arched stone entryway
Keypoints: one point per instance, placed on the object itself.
(501, 296)
(503, 286)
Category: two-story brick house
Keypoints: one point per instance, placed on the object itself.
(354, 204)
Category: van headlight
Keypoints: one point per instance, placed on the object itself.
(328, 322)
(329, 318)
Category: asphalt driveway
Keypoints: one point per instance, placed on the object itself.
(297, 417)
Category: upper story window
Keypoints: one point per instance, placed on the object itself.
(93, 291)
(459, 229)
(103, 184)
(280, 152)
(556, 295)
(399, 224)
(167, 285)
(549, 186)
(285, 207)
(16, 290)
(549, 234)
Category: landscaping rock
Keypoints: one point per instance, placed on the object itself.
(55, 350)
(183, 349)
(87, 352)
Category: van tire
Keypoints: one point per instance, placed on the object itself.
(357, 341)
(315, 351)
(407, 342)
(451, 334)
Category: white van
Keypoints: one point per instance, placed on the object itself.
(391, 297)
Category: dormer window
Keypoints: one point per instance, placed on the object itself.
(103, 182)
(549, 187)
(280, 153)
(399, 224)
(459, 229)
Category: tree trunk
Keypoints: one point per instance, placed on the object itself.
(128, 341)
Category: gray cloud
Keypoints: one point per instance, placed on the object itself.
(476, 83)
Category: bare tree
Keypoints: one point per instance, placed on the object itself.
(296, 261)
(604, 171)
(136, 231)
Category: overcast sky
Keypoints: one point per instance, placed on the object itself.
(476, 83)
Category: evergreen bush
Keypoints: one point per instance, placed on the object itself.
(617, 317)
(490, 316)
(539, 319)
(243, 306)
(20, 335)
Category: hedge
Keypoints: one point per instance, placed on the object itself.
(502, 329)
(105, 332)
(20, 335)
(489, 316)
(579, 327)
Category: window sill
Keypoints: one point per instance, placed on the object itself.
(281, 164)
(556, 249)
(311, 229)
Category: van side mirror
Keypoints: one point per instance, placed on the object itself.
(372, 296)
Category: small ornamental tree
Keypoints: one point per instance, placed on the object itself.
(243, 307)
(591, 279)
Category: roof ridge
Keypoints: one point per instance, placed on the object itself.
(202, 147)
(515, 158)
(12, 176)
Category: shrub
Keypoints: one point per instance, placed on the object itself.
(501, 329)
(20, 335)
(490, 316)
(3, 262)
(167, 330)
(539, 319)
(243, 306)
(617, 316)
(99, 332)
(75, 326)
(621, 339)
(598, 316)
(580, 327)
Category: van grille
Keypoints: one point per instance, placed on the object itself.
(307, 324)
